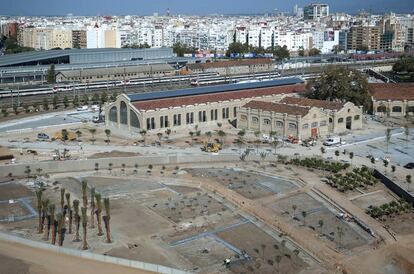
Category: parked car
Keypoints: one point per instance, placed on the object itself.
(409, 166)
(331, 141)
(43, 136)
(81, 108)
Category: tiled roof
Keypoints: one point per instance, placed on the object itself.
(216, 97)
(312, 103)
(400, 91)
(278, 108)
(234, 63)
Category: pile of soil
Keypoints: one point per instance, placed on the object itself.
(113, 154)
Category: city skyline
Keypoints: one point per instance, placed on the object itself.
(131, 7)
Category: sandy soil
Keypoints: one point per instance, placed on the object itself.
(19, 259)
(112, 154)
(13, 191)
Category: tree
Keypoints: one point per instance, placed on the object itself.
(337, 154)
(60, 220)
(52, 208)
(408, 180)
(75, 101)
(236, 48)
(104, 98)
(108, 134)
(323, 150)
(39, 194)
(85, 99)
(55, 101)
(107, 219)
(385, 162)
(294, 207)
(95, 99)
(407, 134)
(281, 52)
(99, 213)
(393, 168)
(77, 220)
(301, 52)
(181, 49)
(275, 144)
(304, 214)
(388, 137)
(85, 228)
(143, 134)
(351, 156)
(69, 209)
(93, 132)
(278, 259)
(45, 208)
(78, 134)
(62, 199)
(92, 207)
(191, 133)
(168, 132)
(65, 101)
(340, 84)
(209, 134)
(159, 135)
(85, 193)
(314, 52)
(320, 222)
(51, 74)
(45, 104)
(65, 135)
(222, 135)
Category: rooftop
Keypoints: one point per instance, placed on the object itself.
(312, 103)
(278, 108)
(233, 63)
(212, 89)
(393, 91)
(222, 96)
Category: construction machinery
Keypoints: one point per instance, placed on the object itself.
(211, 147)
(57, 156)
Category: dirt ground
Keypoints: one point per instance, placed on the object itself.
(376, 198)
(15, 209)
(19, 259)
(112, 154)
(14, 190)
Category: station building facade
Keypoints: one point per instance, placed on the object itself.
(394, 100)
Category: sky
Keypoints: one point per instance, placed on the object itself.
(196, 7)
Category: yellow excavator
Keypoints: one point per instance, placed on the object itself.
(211, 147)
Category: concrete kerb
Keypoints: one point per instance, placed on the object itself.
(103, 163)
(92, 256)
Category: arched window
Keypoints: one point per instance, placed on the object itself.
(123, 113)
(357, 117)
(266, 121)
(292, 126)
(382, 109)
(396, 109)
(255, 120)
(134, 119)
(243, 117)
(113, 114)
(340, 120)
(279, 124)
(330, 120)
(305, 126)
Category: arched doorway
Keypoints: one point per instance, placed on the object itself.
(113, 115)
(349, 122)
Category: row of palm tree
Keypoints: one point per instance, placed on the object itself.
(54, 223)
(320, 164)
(359, 177)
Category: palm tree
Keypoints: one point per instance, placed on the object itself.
(304, 214)
(385, 162)
(136, 169)
(323, 150)
(408, 180)
(222, 135)
(78, 134)
(351, 156)
(60, 219)
(107, 218)
(275, 144)
(241, 134)
(99, 213)
(39, 193)
(85, 193)
(143, 134)
(168, 132)
(294, 207)
(159, 135)
(110, 167)
(278, 259)
(93, 132)
(77, 220)
(263, 246)
(340, 234)
(337, 154)
(108, 134)
(69, 208)
(407, 134)
(65, 135)
(62, 199)
(191, 133)
(52, 208)
(320, 222)
(45, 208)
(85, 228)
(388, 137)
(209, 134)
(92, 207)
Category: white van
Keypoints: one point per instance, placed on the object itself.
(82, 108)
(331, 141)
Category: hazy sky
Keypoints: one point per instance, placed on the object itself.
(199, 7)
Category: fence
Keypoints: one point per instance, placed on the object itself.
(92, 256)
(402, 193)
